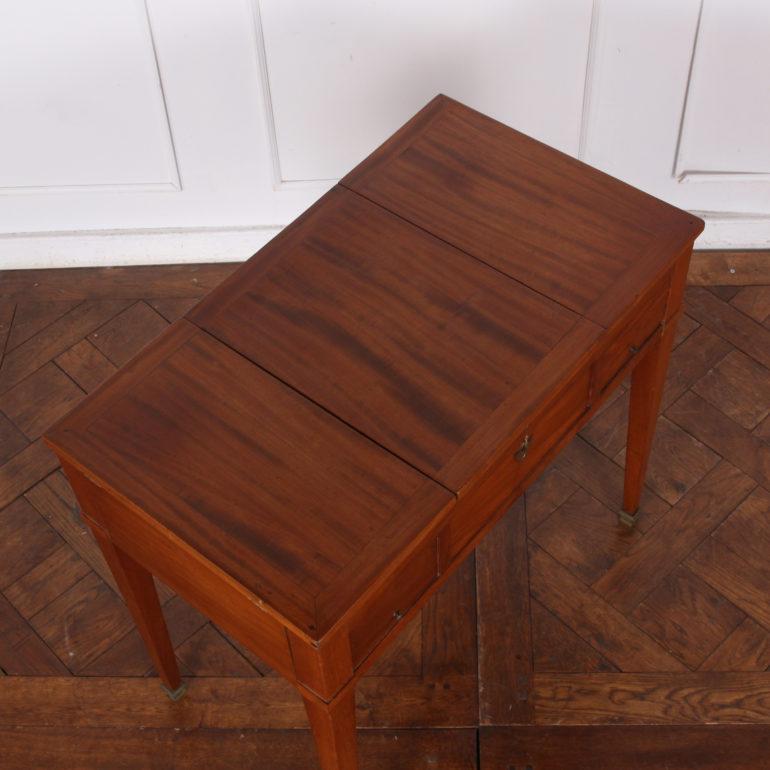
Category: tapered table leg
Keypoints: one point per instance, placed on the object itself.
(138, 590)
(647, 381)
(334, 730)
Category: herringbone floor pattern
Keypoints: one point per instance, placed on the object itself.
(561, 618)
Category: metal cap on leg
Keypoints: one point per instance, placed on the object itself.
(628, 519)
(175, 694)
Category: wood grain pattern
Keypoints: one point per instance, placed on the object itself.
(146, 281)
(365, 325)
(746, 649)
(24, 470)
(153, 749)
(33, 316)
(40, 400)
(86, 365)
(505, 648)
(730, 268)
(717, 698)
(627, 582)
(516, 204)
(49, 578)
(320, 443)
(600, 624)
(712, 427)
(705, 747)
(398, 696)
(141, 598)
(666, 615)
(55, 339)
(123, 336)
(723, 319)
(268, 550)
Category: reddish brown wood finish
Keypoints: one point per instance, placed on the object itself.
(317, 446)
(138, 589)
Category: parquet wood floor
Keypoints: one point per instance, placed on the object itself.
(564, 642)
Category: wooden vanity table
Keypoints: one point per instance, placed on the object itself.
(309, 453)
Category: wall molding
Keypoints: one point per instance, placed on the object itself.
(173, 184)
(263, 73)
(680, 172)
(586, 115)
(98, 248)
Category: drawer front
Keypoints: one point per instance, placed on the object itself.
(629, 340)
(519, 458)
(375, 618)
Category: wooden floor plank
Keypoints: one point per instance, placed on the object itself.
(702, 747)
(12, 440)
(593, 619)
(603, 479)
(723, 435)
(678, 461)
(504, 627)
(558, 649)
(655, 555)
(24, 470)
(141, 281)
(47, 580)
(690, 584)
(25, 541)
(38, 401)
(666, 615)
(22, 652)
(32, 317)
(541, 499)
(63, 516)
(743, 584)
(583, 535)
(652, 698)
(746, 649)
(753, 301)
(55, 339)
(83, 622)
(128, 656)
(143, 749)
(739, 387)
(449, 628)
(7, 312)
(86, 365)
(258, 703)
(723, 319)
(729, 268)
(123, 336)
(208, 653)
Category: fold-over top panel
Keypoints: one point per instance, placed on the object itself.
(266, 485)
(402, 336)
(540, 216)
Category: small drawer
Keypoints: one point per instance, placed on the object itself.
(375, 618)
(519, 458)
(631, 337)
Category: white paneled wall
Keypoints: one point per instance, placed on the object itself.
(136, 131)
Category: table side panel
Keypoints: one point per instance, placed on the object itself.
(186, 572)
(384, 609)
(626, 339)
(279, 494)
(515, 463)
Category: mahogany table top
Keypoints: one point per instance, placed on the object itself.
(335, 397)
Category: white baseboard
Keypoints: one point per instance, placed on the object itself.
(734, 231)
(191, 245)
(146, 247)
